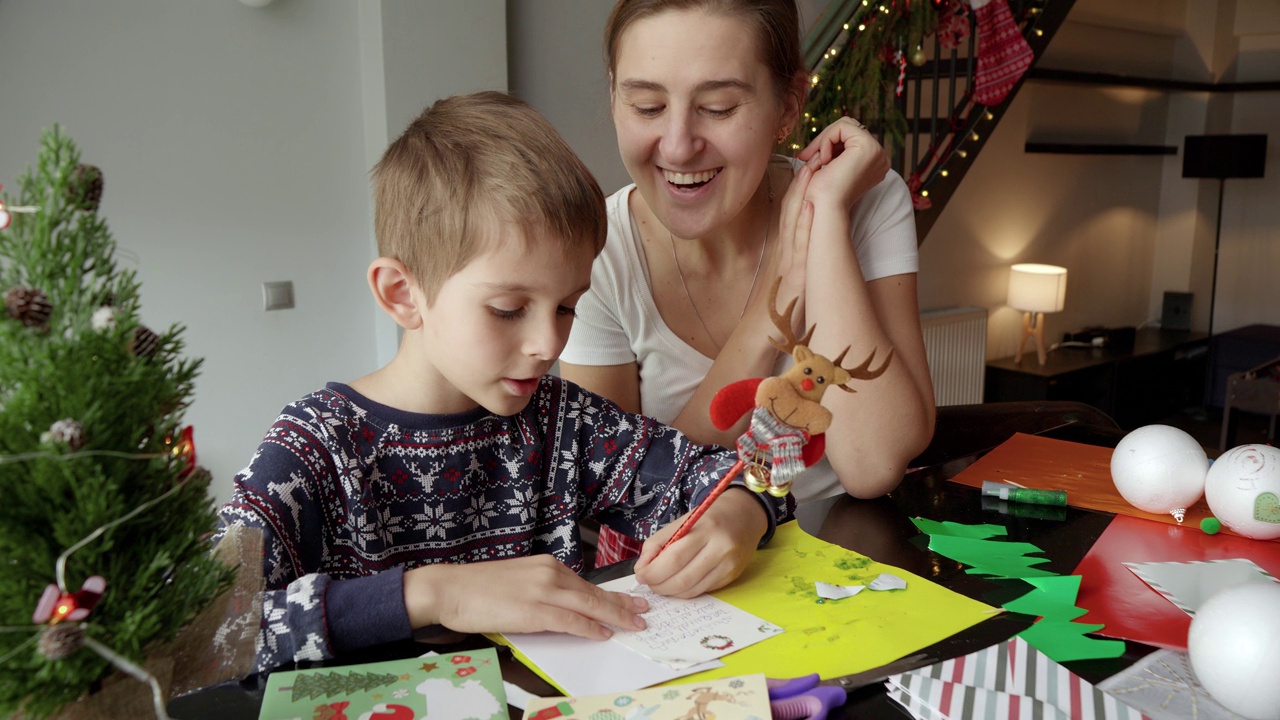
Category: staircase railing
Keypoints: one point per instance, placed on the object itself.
(945, 128)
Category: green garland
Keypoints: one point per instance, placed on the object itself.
(857, 74)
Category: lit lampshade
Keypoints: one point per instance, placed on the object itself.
(1036, 289)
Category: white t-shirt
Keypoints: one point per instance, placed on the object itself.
(618, 321)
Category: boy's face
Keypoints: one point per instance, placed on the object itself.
(496, 326)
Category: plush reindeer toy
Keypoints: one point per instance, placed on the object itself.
(788, 422)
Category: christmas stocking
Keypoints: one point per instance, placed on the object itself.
(1003, 54)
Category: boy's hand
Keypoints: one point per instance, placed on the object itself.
(714, 552)
(529, 594)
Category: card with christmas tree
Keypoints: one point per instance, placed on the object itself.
(457, 686)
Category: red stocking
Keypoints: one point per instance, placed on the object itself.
(1003, 54)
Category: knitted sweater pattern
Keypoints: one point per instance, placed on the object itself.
(346, 491)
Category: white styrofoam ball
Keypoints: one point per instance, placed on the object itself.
(1243, 490)
(1159, 469)
(1234, 649)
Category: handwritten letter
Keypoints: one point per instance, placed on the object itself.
(682, 633)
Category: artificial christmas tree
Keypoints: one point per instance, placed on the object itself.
(104, 516)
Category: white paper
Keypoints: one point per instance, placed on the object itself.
(1189, 584)
(837, 592)
(885, 581)
(682, 632)
(594, 667)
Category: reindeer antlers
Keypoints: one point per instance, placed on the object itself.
(862, 372)
(789, 341)
(783, 322)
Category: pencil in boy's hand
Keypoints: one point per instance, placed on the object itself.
(698, 512)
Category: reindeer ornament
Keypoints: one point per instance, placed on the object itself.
(788, 422)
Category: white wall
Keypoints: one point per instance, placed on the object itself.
(234, 146)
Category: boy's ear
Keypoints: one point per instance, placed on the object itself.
(395, 292)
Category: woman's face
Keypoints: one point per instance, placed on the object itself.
(697, 114)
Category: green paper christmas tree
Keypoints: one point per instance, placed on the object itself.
(94, 463)
(339, 683)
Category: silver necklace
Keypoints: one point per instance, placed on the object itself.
(760, 261)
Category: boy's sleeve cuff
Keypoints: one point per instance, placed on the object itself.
(367, 611)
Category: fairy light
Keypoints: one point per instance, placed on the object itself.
(944, 173)
(990, 115)
(814, 80)
(963, 153)
(1039, 32)
(861, 27)
(975, 137)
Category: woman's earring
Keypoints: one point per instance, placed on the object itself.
(783, 134)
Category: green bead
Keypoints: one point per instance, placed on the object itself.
(1210, 525)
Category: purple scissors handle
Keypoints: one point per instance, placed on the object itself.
(803, 698)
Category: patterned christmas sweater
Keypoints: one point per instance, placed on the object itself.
(349, 493)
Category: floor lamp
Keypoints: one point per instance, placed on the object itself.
(1222, 157)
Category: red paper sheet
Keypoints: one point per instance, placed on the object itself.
(1128, 607)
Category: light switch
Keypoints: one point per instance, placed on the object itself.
(277, 295)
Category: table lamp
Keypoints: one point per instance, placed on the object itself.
(1036, 289)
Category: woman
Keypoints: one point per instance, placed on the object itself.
(701, 93)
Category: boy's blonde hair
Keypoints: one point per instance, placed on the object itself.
(469, 163)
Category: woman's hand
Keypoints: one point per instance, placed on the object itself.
(847, 162)
(716, 550)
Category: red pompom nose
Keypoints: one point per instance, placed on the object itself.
(806, 384)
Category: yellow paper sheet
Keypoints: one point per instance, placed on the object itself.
(835, 637)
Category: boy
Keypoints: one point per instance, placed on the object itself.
(446, 487)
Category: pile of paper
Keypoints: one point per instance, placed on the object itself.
(1009, 680)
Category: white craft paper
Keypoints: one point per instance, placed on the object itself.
(837, 592)
(592, 667)
(1189, 584)
(682, 633)
(885, 581)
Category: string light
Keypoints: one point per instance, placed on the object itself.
(963, 153)
(943, 173)
(990, 115)
(975, 137)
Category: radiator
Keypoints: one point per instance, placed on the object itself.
(955, 341)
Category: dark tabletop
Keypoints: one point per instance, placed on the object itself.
(880, 529)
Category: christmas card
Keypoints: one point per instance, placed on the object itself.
(733, 698)
(458, 686)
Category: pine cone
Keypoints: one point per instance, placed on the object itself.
(84, 191)
(29, 306)
(61, 640)
(144, 342)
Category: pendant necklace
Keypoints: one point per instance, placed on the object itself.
(760, 261)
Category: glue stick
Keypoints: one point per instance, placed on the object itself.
(1023, 495)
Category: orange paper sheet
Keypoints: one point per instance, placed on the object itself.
(1084, 471)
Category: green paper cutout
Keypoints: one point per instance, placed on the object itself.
(1266, 508)
(1052, 598)
(946, 527)
(1064, 641)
